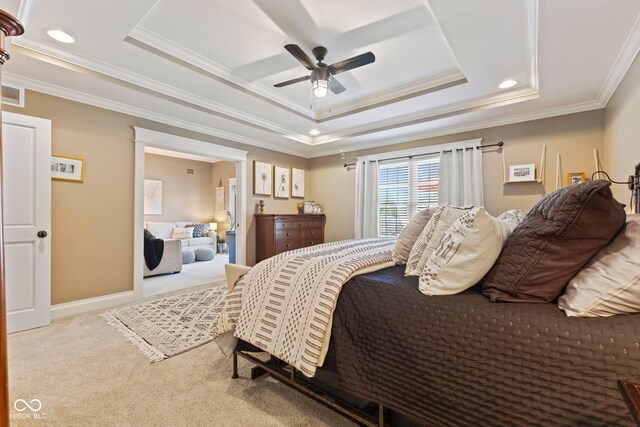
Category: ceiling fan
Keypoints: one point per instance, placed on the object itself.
(322, 74)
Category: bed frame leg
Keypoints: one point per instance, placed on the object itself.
(380, 415)
(234, 375)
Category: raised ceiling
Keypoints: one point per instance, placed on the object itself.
(210, 65)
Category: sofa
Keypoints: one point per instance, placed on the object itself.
(171, 259)
(164, 230)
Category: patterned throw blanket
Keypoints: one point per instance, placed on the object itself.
(284, 305)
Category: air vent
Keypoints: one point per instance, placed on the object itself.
(13, 96)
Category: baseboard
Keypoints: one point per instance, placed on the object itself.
(90, 304)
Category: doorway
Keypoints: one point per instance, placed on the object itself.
(232, 167)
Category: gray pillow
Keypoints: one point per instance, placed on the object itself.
(610, 283)
(409, 235)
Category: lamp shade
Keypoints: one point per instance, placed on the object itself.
(213, 226)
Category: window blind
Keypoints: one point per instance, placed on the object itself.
(404, 188)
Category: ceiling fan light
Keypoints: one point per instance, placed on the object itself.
(320, 88)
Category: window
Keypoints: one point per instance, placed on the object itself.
(404, 188)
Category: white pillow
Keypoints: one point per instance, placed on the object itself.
(162, 230)
(610, 283)
(409, 235)
(467, 251)
(182, 233)
(428, 240)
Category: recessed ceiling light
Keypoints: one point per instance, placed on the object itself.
(60, 36)
(507, 84)
(314, 132)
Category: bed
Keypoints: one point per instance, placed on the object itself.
(462, 360)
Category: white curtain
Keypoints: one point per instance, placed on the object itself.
(366, 198)
(461, 175)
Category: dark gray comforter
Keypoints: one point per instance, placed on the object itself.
(462, 360)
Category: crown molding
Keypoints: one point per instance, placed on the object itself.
(623, 62)
(463, 107)
(120, 75)
(172, 51)
(96, 101)
(452, 130)
(168, 49)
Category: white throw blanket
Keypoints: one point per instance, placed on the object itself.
(284, 305)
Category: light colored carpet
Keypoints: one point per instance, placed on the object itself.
(194, 274)
(169, 326)
(86, 374)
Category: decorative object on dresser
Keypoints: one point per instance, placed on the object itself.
(261, 206)
(262, 178)
(280, 233)
(281, 183)
(297, 183)
(308, 206)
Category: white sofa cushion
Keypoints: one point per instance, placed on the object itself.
(467, 251)
(199, 241)
(182, 233)
(183, 224)
(162, 230)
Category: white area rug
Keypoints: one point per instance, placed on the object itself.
(169, 326)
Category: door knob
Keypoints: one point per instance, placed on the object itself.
(42, 234)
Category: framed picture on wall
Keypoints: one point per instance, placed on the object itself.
(67, 168)
(297, 183)
(281, 182)
(576, 178)
(522, 172)
(152, 197)
(262, 178)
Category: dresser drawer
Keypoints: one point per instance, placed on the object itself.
(288, 225)
(315, 223)
(311, 233)
(287, 246)
(291, 234)
(309, 242)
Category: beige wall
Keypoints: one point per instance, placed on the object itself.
(622, 131)
(573, 136)
(184, 196)
(92, 223)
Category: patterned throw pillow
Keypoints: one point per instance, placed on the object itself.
(467, 251)
(182, 233)
(199, 230)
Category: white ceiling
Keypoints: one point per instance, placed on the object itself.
(210, 65)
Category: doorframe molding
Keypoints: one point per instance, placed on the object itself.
(147, 137)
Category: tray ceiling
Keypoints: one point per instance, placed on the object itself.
(210, 65)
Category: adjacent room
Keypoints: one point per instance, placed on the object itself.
(342, 213)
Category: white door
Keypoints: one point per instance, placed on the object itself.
(26, 162)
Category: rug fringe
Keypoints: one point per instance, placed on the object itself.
(153, 354)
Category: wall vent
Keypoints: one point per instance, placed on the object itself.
(12, 95)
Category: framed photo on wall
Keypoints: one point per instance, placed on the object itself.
(522, 172)
(262, 178)
(281, 182)
(67, 168)
(297, 183)
(152, 197)
(576, 178)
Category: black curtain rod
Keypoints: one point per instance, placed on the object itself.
(478, 147)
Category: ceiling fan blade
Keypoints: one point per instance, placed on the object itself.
(290, 82)
(351, 63)
(299, 54)
(335, 86)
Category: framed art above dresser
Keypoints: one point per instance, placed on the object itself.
(277, 233)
